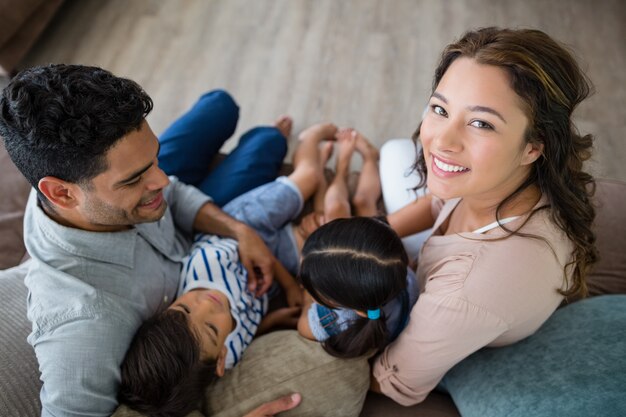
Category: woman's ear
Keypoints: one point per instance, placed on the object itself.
(532, 151)
(221, 363)
(60, 193)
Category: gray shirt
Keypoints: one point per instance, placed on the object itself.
(90, 291)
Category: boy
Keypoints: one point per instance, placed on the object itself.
(177, 353)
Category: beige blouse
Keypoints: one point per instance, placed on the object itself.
(475, 292)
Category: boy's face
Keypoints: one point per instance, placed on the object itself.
(208, 312)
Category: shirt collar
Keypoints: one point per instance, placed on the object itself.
(112, 247)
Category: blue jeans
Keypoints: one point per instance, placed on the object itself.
(189, 145)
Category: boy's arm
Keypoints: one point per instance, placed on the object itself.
(80, 368)
(303, 323)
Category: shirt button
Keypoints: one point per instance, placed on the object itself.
(165, 299)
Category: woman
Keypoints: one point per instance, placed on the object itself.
(513, 237)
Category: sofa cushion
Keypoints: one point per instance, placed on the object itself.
(282, 362)
(572, 366)
(14, 190)
(608, 276)
(19, 374)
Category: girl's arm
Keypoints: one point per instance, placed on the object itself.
(303, 323)
(289, 285)
(413, 218)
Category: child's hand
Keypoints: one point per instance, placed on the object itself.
(282, 318)
(285, 317)
(294, 296)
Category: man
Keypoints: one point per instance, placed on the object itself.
(107, 228)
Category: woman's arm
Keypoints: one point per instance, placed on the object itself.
(413, 218)
(441, 332)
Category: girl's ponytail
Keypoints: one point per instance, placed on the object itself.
(363, 336)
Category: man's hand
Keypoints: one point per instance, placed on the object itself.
(277, 406)
(256, 258)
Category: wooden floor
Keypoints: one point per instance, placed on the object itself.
(362, 63)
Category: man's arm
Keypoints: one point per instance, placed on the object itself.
(79, 363)
(254, 254)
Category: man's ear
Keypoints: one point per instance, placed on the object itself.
(532, 151)
(60, 193)
(221, 363)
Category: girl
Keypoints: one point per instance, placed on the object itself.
(356, 271)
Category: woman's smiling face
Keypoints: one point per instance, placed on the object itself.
(473, 134)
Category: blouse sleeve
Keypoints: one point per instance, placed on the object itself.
(444, 328)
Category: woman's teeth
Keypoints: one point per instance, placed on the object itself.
(448, 168)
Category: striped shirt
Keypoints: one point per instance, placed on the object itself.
(214, 264)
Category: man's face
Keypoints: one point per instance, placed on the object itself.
(130, 191)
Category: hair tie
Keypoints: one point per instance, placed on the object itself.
(373, 314)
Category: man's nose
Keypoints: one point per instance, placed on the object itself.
(157, 179)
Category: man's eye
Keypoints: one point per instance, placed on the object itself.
(481, 125)
(439, 110)
(135, 181)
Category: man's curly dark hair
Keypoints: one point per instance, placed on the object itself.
(60, 120)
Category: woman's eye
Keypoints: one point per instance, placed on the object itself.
(439, 110)
(480, 124)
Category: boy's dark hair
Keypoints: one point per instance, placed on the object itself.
(162, 373)
(360, 264)
(60, 120)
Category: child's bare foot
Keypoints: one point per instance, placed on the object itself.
(346, 140)
(284, 124)
(326, 150)
(319, 132)
(365, 148)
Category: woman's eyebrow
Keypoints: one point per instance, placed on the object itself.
(483, 109)
(486, 110)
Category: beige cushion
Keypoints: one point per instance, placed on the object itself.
(280, 363)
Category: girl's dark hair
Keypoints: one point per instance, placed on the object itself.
(60, 120)
(547, 78)
(359, 264)
(162, 373)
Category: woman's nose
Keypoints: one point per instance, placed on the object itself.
(448, 138)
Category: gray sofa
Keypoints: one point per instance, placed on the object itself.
(526, 382)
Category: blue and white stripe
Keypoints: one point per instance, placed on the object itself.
(214, 263)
